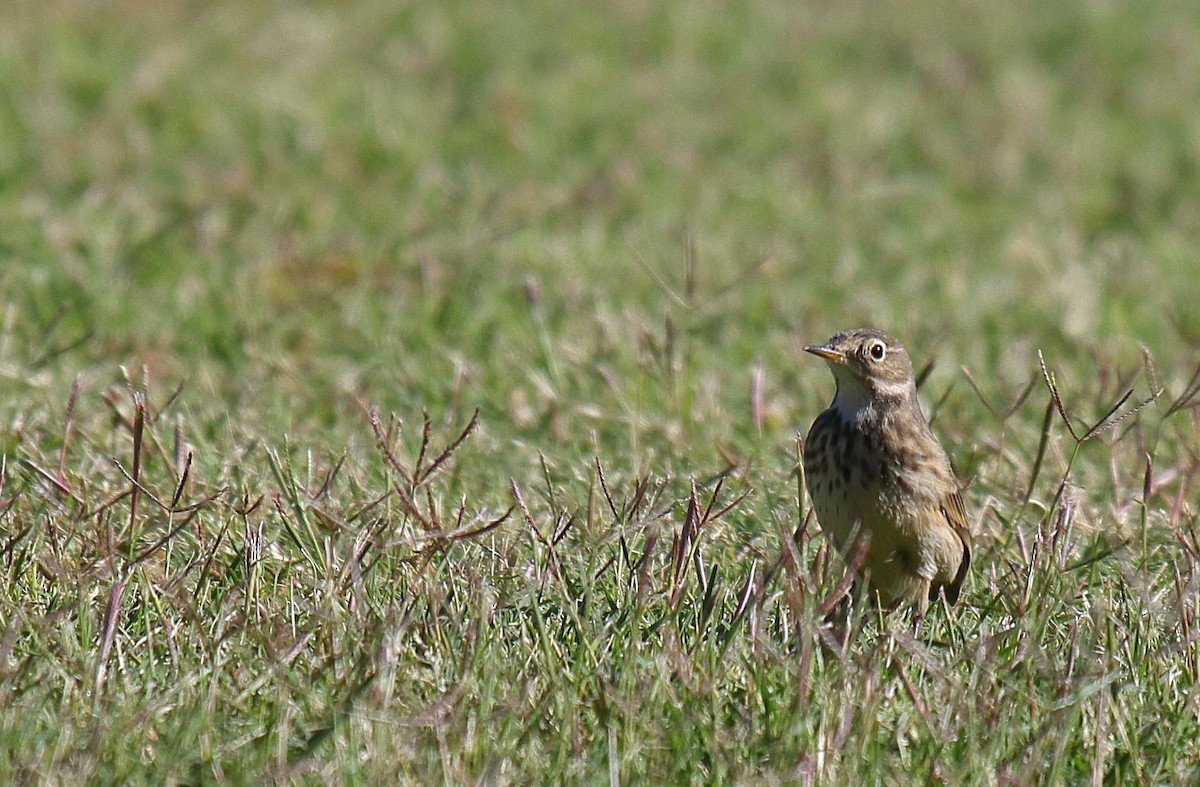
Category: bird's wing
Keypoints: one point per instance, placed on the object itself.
(956, 515)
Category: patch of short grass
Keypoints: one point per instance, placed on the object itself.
(411, 391)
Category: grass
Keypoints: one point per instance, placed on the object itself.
(410, 391)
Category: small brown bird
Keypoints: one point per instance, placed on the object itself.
(875, 470)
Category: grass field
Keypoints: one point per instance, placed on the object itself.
(410, 391)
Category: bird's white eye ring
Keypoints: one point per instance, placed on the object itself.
(877, 350)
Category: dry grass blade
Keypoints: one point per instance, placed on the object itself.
(1181, 495)
(68, 423)
(978, 393)
(565, 523)
(708, 584)
(1189, 538)
(135, 484)
(746, 595)
(107, 504)
(6, 551)
(330, 477)
(149, 493)
(1040, 456)
(444, 456)
(431, 511)
(842, 588)
(937, 406)
(801, 491)
(686, 542)
(383, 442)
(183, 479)
(54, 481)
(426, 435)
(166, 406)
(911, 690)
(643, 498)
(709, 516)
(488, 526)
(1185, 399)
(747, 592)
(1054, 397)
(108, 635)
(157, 545)
(642, 572)
(550, 496)
(681, 547)
(924, 373)
(139, 423)
(1147, 480)
(1108, 422)
(48, 353)
(1021, 396)
(612, 506)
(520, 503)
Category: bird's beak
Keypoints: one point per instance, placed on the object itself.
(826, 352)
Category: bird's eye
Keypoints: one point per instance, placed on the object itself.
(877, 350)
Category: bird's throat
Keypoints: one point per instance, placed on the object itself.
(855, 396)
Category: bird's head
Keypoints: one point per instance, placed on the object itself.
(867, 365)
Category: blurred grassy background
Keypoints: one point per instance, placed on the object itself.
(596, 223)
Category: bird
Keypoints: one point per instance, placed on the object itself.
(880, 481)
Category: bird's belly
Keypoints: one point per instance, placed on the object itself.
(901, 544)
(844, 508)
